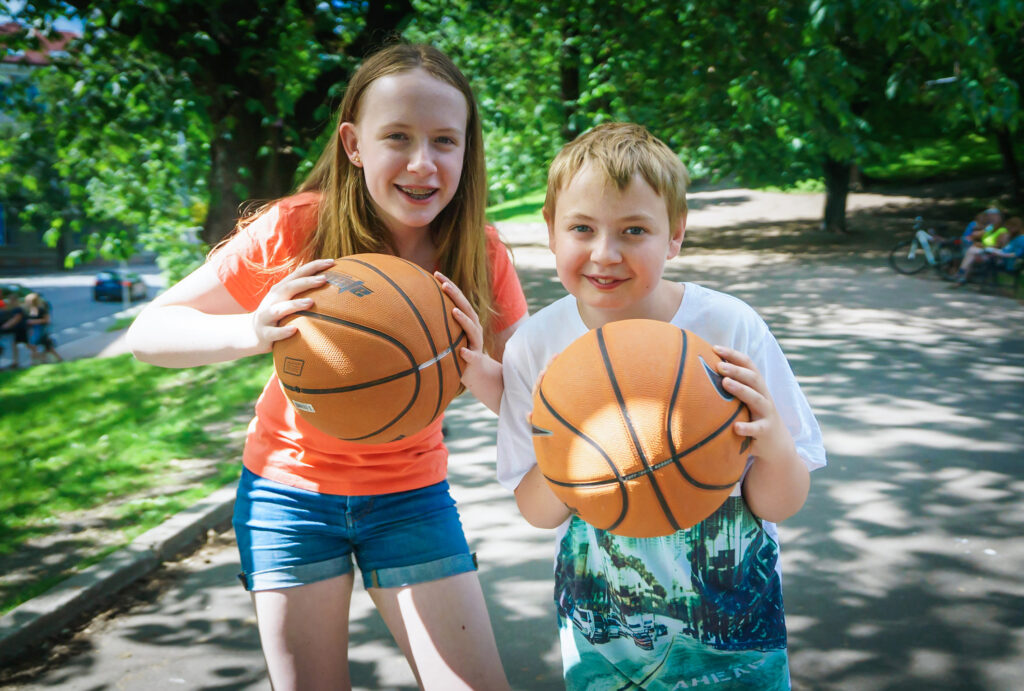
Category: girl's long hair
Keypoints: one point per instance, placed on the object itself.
(347, 222)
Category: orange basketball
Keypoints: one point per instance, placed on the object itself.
(375, 358)
(633, 430)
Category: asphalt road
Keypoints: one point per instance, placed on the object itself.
(76, 316)
(901, 572)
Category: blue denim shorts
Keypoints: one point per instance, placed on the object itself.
(289, 537)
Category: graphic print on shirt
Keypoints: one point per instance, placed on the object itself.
(697, 608)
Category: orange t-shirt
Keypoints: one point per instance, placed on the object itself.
(283, 447)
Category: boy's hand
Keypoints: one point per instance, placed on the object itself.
(482, 374)
(775, 486)
(768, 434)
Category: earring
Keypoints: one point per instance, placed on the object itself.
(356, 160)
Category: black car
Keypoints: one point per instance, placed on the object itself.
(110, 283)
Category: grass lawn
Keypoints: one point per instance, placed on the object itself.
(132, 442)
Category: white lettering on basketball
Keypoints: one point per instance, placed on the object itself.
(345, 283)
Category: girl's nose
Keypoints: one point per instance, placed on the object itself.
(421, 161)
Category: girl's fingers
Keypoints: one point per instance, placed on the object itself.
(471, 327)
(279, 333)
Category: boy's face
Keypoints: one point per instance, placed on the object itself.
(611, 246)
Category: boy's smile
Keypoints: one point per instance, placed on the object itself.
(611, 246)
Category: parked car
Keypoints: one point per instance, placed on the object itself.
(110, 283)
(15, 289)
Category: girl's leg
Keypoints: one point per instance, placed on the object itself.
(304, 634)
(443, 628)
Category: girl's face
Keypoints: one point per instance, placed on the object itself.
(410, 141)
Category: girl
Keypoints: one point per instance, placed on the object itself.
(403, 174)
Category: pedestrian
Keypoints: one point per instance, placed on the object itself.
(703, 606)
(402, 173)
(38, 320)
(14, 322)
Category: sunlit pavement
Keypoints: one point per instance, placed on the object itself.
(903, 571)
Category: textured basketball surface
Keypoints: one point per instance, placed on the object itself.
(375, 358)
(633, 430)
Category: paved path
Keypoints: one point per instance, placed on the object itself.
(901, 572)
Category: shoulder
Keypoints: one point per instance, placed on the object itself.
(701, 299)
(545, 333)
(722, 319)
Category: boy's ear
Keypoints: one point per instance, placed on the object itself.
(350, 142)
(549, 218)
(675, 242)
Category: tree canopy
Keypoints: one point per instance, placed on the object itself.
(167, 116)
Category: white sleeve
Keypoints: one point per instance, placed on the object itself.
(791, 404)
(515, 441)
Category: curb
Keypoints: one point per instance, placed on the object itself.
(47, 614)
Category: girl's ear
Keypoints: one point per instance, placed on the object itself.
(350, 141)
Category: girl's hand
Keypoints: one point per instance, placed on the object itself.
(769, 436)
(482, 374)
(280, 302)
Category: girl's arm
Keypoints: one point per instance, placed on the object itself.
(198, 322)
(776, 485)
(482, 373)
(538, 504)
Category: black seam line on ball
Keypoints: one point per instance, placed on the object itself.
(632, 431)
(448, 330)
(671, 459)
(597, 447)
(419, 318)
(355, 387)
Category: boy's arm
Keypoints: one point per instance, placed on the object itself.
(776, 485)
(517, 462)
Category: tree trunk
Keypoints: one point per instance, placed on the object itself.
(837, 186)
(239, 134)
(233, 151)
(1005, 140)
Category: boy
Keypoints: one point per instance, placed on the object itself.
(701, 607)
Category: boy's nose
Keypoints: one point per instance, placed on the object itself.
(605, 250)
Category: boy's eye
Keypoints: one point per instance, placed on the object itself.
(635, 230)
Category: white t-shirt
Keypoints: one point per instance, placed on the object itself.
(718, 318)
(703, 605)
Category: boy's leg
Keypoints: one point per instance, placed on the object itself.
(304, 634)
(443, 628)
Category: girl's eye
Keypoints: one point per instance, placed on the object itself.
(635, 230)
(579, 229)
(446, 140)
(397, 136)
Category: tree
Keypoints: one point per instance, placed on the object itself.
(264, 76)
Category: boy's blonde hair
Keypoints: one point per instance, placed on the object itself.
(622, 150)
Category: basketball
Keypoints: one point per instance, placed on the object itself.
(633, 430)
(375, 358)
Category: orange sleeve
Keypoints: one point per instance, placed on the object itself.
(247, 263)
(507, 293)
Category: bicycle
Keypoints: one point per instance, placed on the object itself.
(926, 248)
